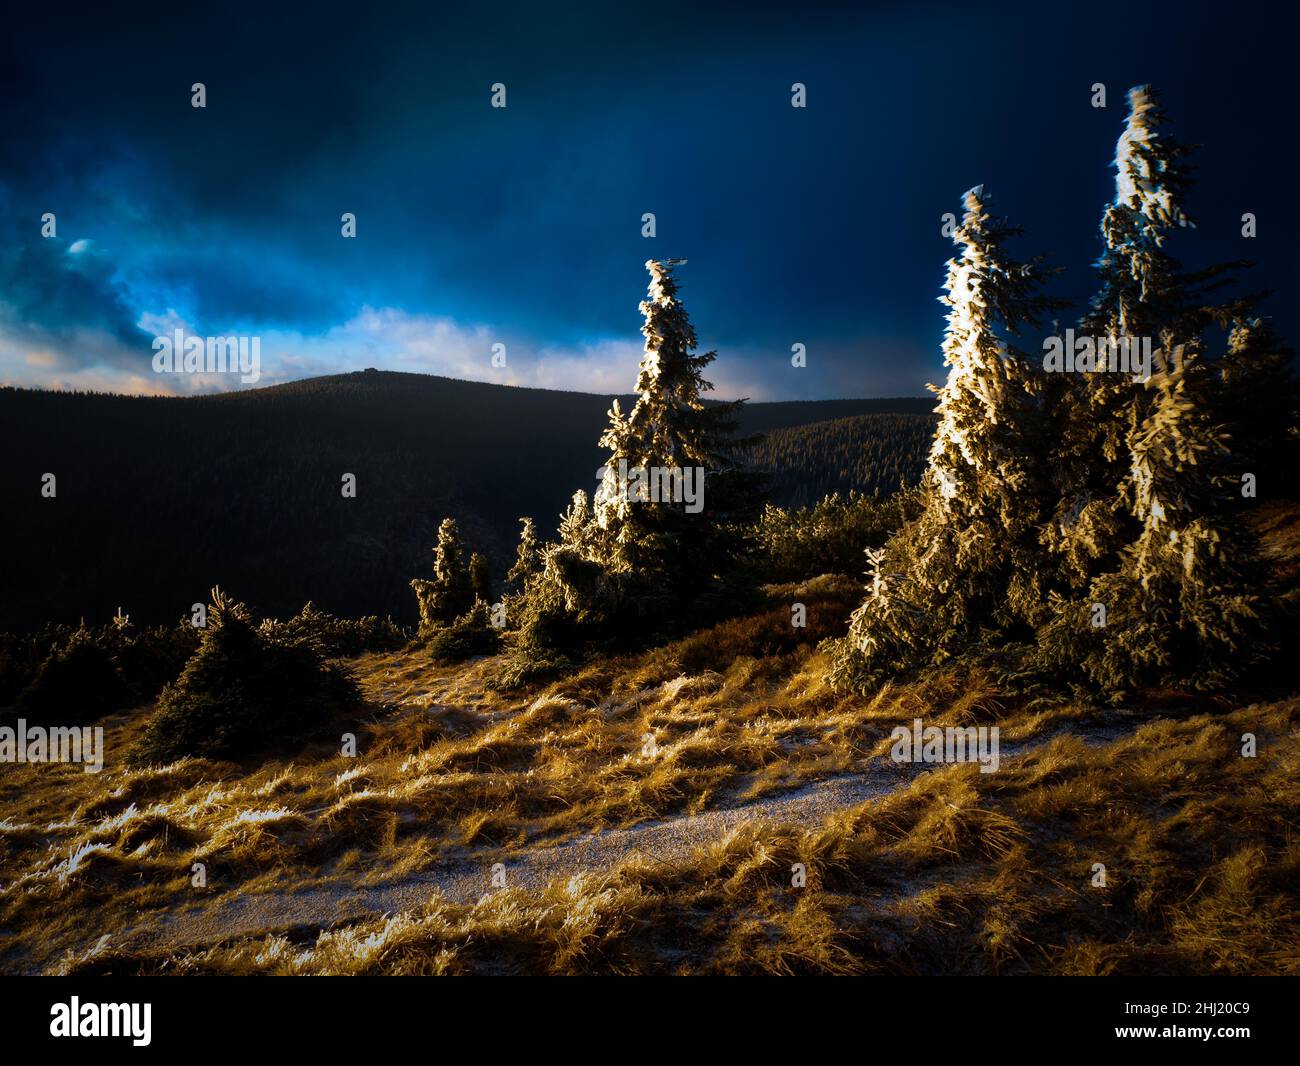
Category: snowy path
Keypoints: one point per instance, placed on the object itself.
(467, 877)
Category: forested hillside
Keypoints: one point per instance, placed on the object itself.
(158, 499)
(865, 453)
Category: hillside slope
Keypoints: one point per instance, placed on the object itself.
(158, 499)
(864, 453)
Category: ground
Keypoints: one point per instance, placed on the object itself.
(652, 813)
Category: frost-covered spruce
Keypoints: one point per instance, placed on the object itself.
(669, 425)
(1138, 521)
(625, 566)
(1141, 290)
(1142, 295)
(528, 556)
(980, 460)
(450, 594)
(1184, 604)
(970, 561)
(671, 429)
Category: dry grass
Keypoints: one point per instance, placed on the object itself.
(956, 872)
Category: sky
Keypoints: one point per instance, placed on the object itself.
(522, 225)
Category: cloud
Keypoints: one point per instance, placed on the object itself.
(57, 294)
(385, 338)
(393, 339)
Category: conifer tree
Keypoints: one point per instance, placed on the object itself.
(971, 559)
(670, 427)
(577, 528)
(527, 556)
(1143, 295)
(628, 567)
(450, 594)
(1185, 603)
(1172, 593)
(243, 693)
(480, 577)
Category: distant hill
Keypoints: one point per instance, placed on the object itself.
(158, 499)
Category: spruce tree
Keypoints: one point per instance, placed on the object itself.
(1143, 295)
(480, 577)
(1185, 602)
(670, 428)
(527, 555)
(627, 568)
(970, 561)
(450, 594)
(243, 693)
(669, 425)
(1156, 586)
(577, 529)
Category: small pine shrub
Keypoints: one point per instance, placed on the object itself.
(470, 635)
(21, 657)
(451, 592)
(243, 694)
(78, 682)
(149, 658)
(49, 661)
(333, 637)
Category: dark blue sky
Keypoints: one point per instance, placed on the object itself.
(478, 225)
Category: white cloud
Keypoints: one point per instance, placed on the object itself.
(392, 339)
(384, 338)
